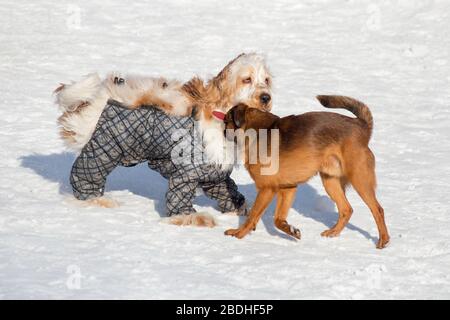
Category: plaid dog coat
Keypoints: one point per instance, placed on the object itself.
(127, 137)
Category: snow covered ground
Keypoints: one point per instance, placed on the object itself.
(393, 55)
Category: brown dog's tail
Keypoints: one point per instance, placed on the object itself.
(359, 109)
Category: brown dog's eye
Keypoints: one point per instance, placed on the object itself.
(247, 80)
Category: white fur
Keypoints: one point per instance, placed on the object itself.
(96, 92)
(255, 65)
(218, 149)
(191, 219)
(244, 94)
(82, 122)
(136, 86)
(76, 93)
(255, 61)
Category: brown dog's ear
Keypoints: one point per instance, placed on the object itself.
(238, 113)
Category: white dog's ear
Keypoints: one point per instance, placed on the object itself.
(234, 60)
(221, 74)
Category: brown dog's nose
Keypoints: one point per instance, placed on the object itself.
(265, 98)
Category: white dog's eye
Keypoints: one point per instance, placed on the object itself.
(247, 80)
(267, 81)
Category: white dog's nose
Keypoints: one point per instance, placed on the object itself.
(265, 98)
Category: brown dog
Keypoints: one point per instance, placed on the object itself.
(333, 145)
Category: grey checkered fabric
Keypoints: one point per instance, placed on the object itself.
(125, 137)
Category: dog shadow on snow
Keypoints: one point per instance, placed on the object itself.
(142, 181)
(306, 203)
(139, 180)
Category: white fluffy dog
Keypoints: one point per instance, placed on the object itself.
(245, 79)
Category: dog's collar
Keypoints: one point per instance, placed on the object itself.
(219, 115)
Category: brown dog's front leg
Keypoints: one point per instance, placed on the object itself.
(261, 203)
(284, 203)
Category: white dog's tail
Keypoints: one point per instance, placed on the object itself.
(81, 103)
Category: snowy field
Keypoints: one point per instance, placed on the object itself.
(393, 55)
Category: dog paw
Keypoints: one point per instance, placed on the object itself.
(330, 233)
(383, 242)
(203, 220)
(295, 232)
(231, 232)
(288, 229)
(238, 233)
(198, 219)
(103, 202)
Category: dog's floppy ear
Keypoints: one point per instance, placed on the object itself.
(238, 113)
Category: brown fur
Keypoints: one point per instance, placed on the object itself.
(66, 134)
(216, 93)
(149, 99)
(333, 145)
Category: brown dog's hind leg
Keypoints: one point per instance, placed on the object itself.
(335, 189)
(364, 183)
(284, 203)
(261, 203)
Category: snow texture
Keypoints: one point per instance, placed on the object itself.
(393, 55)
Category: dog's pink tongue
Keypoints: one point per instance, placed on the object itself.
(219, 115)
